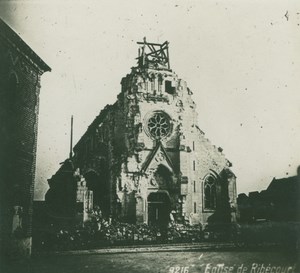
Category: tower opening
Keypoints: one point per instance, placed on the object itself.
(169, 88)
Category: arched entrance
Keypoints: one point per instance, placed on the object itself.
(97, 182)
(159, 208)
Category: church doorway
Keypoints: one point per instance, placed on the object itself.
(159, 208)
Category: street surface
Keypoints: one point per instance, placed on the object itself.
(163, 262)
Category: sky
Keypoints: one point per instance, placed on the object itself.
(241, 59)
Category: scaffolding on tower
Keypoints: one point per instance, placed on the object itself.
(154, 55)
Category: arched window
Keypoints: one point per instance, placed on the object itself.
(160, 82)
(152, 81)
(210, 193)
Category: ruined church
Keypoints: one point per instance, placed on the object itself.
(144, 158)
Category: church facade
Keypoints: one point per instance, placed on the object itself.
(144, 157)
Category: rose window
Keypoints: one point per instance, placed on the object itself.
(159, 125)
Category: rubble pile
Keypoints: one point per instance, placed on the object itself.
(103, 234)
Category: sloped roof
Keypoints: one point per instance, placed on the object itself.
(16, 41)
(283, 185)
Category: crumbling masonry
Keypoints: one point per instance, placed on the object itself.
(144, 157)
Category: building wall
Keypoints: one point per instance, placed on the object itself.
(279, 202)
(20, 74)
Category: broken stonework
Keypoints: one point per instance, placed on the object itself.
(145, 156)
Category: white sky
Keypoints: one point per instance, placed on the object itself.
(240, 58)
